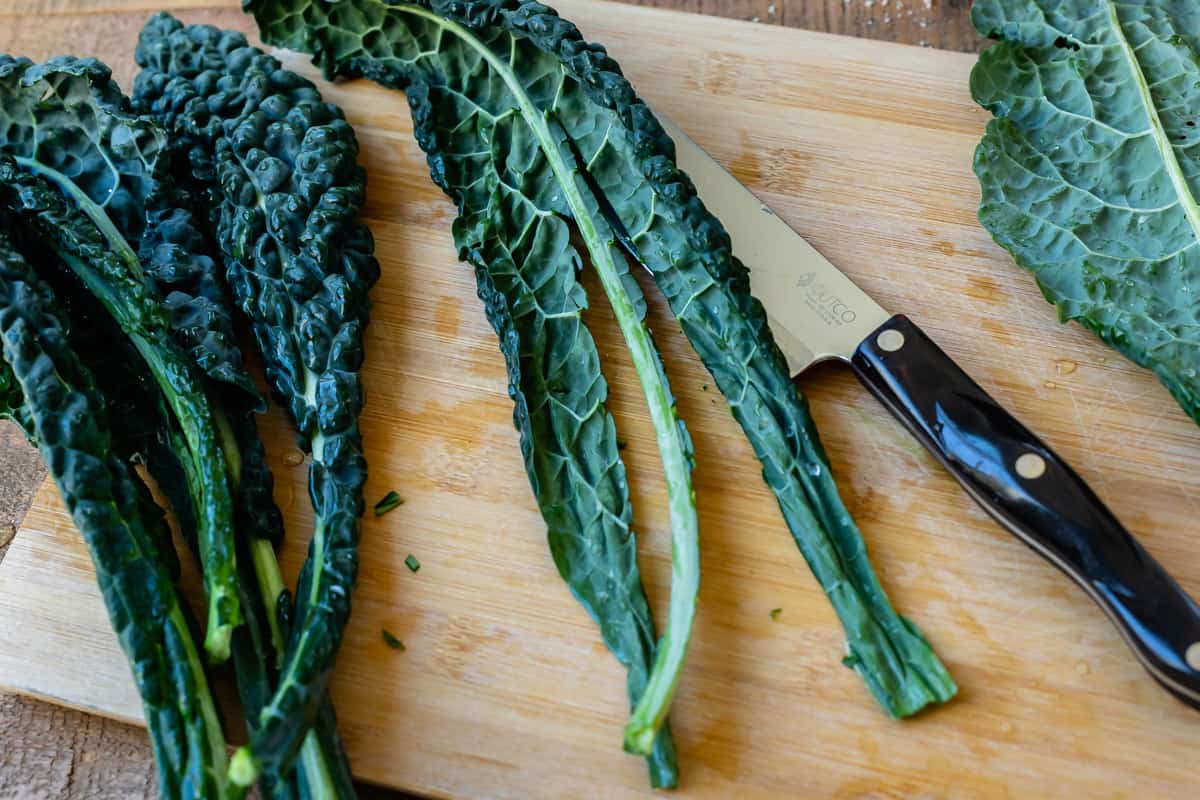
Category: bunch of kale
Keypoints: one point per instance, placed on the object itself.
(128, 251)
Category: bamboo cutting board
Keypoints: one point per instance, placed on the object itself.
(505, 689)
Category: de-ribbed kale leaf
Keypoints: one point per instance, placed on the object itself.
(1090, 172)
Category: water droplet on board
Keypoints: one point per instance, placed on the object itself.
(1006, 727)
(1065, 366)
(1051, 385)
(1082, 668)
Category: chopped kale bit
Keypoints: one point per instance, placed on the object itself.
(390, 501)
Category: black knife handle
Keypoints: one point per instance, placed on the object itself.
(1031, 491)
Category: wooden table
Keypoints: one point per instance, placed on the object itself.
(51, 752)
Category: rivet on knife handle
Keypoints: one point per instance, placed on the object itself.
(1035, 494)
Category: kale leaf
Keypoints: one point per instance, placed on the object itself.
(515, 199)
(76, 131)
(1090, 172)
(112, 512)
(276, 167)
(78, 169)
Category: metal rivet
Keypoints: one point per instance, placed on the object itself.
(1192, 656)
(1030, 466)
(890, 340)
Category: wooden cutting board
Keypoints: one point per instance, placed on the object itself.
(505, 689)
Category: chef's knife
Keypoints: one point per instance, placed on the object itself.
(817, 314)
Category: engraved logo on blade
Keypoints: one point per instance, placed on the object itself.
(822, 301)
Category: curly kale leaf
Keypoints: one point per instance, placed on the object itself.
(623, 151)
(1090, 172)
(278, 169)
(127, 298)
(174, 257)
(67, 119)
(79, 172)
(109, 507)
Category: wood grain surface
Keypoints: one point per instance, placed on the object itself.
(505, 689)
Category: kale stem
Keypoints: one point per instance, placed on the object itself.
(270, 585)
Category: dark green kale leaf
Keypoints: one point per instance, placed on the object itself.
(80, 244)
(78, 169)
(1090, 173)
(109, 507)
(277, 168)
(143, 431)
(142, 428)
(623, 152)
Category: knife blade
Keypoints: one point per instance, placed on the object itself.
(817, 313)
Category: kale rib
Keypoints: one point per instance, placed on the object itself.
(68, 415)
(623, 151)
(277, 167)
(78, 165)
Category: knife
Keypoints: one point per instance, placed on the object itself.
(816, 313)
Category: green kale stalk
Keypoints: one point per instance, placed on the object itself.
(276, 168)
(120, 526)
(76, 167)
(466, 64)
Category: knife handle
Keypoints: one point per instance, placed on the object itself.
(1037, 496)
